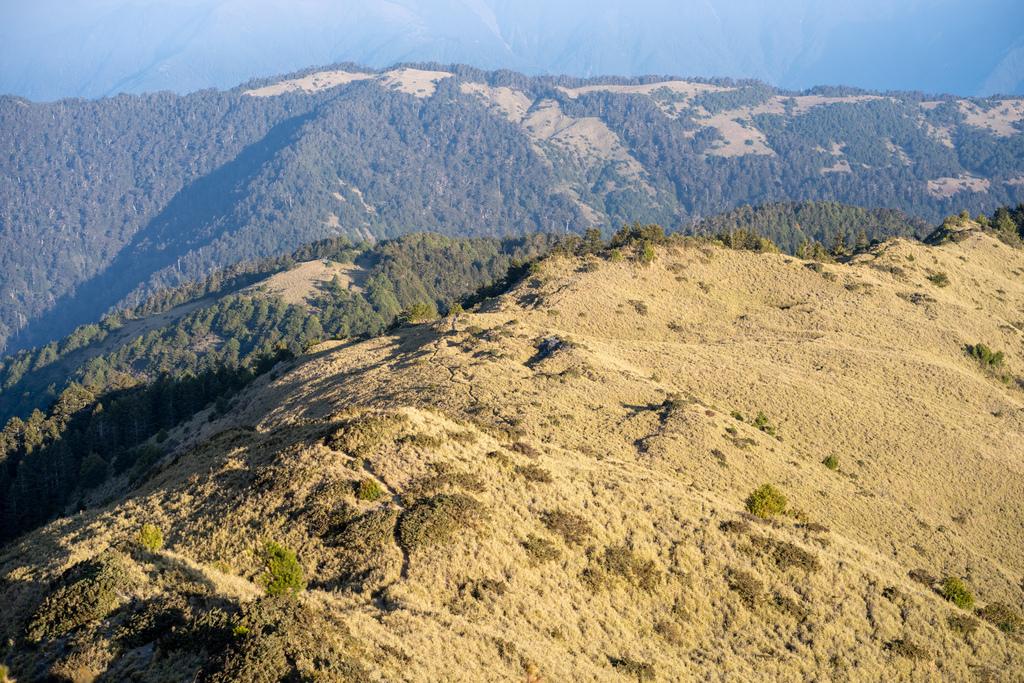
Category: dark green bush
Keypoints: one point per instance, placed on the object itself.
(954, 590)
(939, 279)
(89, 590)
(986, 356)
(761, 422)
(369, 490)
(283, 571)
(436, 520)
(93, 471)
(280, 639)
(370, 532)
(766, 501)
(831, 462)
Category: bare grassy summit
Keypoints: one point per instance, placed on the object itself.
(561, 485)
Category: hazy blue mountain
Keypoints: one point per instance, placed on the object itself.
(51, 48)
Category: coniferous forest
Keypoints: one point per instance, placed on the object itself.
(105, 202)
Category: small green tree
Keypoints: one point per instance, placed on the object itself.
(647, 257)
(456, 309)
(954, 590)
(766, 501)
(284, 573)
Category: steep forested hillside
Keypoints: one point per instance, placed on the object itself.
(104, 202)
(110, 388)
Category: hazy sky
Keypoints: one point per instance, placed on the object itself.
(91, 48)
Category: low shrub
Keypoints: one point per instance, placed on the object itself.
(908, 649)
(89, 590)
(369, 490)
(761, 422)
(747, 586)
(1002, 617)
(283, 571)
(939, 279)
(535, 473)
(634, 668)
(963, 624)
(436, 520)
(954, 590)
(150, 537)
(766, 501)
(923, 577)
(831, 462)
(541, 549)
(570, 526)
(986, 356)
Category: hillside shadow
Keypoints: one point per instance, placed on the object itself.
(208, 202)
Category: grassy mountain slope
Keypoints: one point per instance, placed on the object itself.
(108, 201)
(554, 484)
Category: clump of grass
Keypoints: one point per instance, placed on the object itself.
(766, 501)
(923, 577)
(939, 279)
(525, 449)
(534, 472)
(963, 624)
(437, 520)
(369, 490)
(570, 526)
(634, 668)
(150, 537)
(620, 560)
(1002, 617)
(786, 554)
(747, 586)
(831, 462)
(908, 649)
(737, 415)
(541, 549)
(954, 590)
(283, 572)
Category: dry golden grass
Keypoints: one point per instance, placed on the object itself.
(586, 478)
(306, 281)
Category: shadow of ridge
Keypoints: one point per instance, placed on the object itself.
(207, 202)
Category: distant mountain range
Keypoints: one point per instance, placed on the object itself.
(51, 49)
(104, 202)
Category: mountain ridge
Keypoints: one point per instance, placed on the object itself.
(556, 483)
